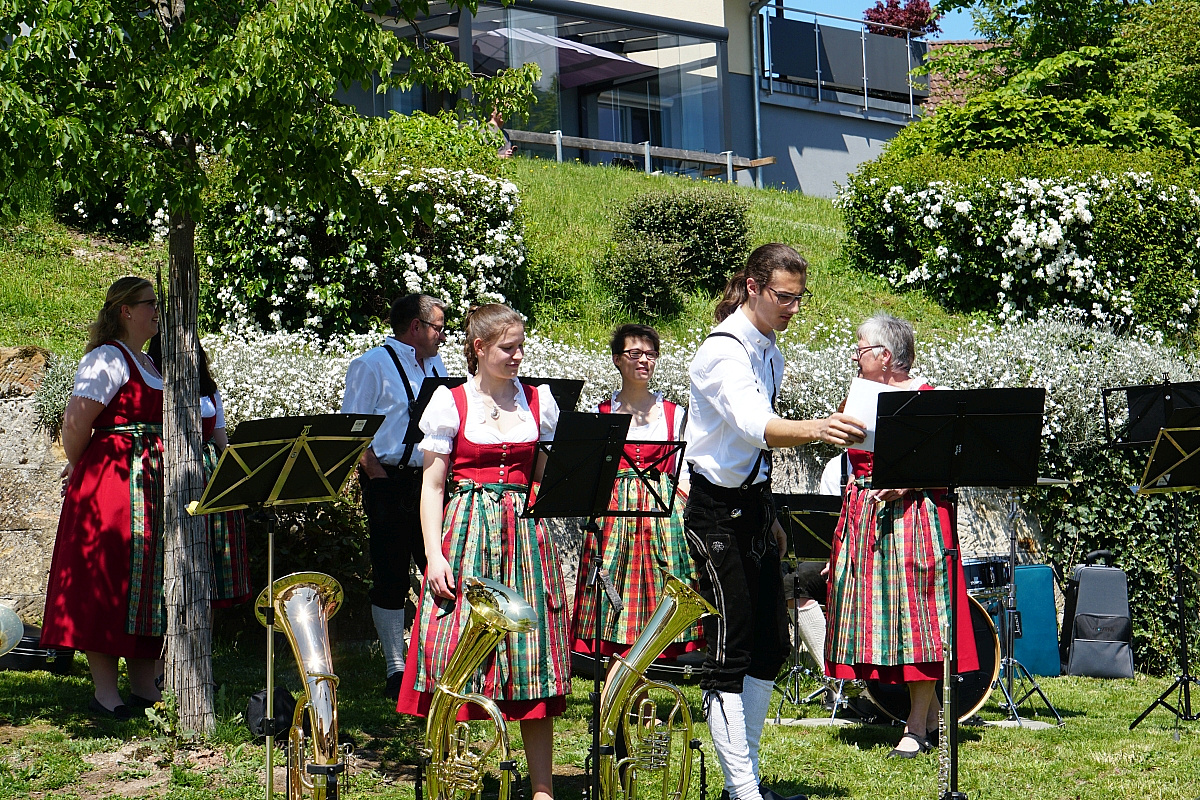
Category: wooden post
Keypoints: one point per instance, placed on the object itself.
(186, 564)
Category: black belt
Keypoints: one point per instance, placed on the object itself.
(396, 471)
(731, 494)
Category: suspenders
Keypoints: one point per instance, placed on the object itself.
(408, 448)
(763, 455)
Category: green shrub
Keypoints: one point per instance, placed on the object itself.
(645, 277)
(1114, 235)
(710, 226)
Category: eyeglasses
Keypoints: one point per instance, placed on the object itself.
(858, 351)
(636, 355)
(786, 299)
(440, 329)
(152, 303)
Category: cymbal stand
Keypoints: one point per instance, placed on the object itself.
(789, 685)
(1013, 671)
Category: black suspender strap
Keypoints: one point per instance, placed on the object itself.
(408, 448)
(763, 455)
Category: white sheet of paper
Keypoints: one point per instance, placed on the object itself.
(862, 403)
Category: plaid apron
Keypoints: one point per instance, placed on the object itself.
(147, 615)
(227, 543)
(889, 594)
(486, 537)
(632, 552)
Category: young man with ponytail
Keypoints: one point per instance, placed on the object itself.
(729, 518)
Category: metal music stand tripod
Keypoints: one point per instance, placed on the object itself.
(1174, 466)
(284, 461)
(976, 437)
(1014, 671)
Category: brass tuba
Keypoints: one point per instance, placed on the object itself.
(454, 764)
(304, 602)
(626, 708)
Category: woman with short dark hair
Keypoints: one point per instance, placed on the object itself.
(635, 551)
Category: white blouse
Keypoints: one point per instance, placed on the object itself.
(103, 372)
(209, 409)
(656, 429)
(440, 421)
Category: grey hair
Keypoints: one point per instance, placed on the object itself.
(413, 306)
(893, 333)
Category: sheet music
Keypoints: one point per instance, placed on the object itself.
(862, 403)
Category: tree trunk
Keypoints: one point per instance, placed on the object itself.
(187, 568)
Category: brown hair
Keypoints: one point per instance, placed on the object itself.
(760, 266)
(412, 306)
(632, 331)
(108, 325)
(486, 323)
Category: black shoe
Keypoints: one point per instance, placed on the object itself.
(923, 746)
(391, 689)
(137, 701)
(121, 712)
(771, 794)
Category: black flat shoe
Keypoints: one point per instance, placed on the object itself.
(771, 794)
(923, 746)
(121, 712)
(391, 689)
(137, 701)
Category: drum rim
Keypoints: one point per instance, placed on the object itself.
(968, 713)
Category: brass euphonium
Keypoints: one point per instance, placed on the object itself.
(304, 602)
(626, 709)
(454, 764)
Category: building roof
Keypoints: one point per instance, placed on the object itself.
(941, 90)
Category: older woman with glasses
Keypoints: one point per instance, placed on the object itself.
(888, 585)
(635, 551)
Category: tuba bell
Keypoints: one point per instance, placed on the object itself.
(303, 603)
(454, 762)
(627, 710)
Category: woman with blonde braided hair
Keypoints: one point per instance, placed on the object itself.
(483, 436)
(105, 591)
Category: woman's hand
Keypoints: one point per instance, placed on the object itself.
(439, 576)
(887, 495)
(66, 478)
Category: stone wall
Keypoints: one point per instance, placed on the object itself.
(30, 463)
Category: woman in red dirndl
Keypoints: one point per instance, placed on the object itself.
(105, 590)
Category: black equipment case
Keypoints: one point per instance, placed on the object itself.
(30, 655)
(1096, 634)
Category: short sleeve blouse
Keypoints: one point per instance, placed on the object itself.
(103, 371)
(213, 407)
(440, 420)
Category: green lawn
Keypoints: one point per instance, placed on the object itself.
(568, 211)
(49, 747)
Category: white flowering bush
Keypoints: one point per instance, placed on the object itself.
(315, 270)
(1118, 242)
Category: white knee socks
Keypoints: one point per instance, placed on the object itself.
(727, 724)
(756, 704)
(810, 619)
(389, 624)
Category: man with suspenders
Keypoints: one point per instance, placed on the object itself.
(386, 380)
(729, 518)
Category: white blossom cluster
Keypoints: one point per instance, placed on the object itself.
(1031, 244)
(297, 269)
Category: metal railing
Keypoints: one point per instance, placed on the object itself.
(826, 61)
(644, 150)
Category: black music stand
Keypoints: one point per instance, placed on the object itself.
(809, 520)
(284, 461)
(412, 434)
(1173, 467)
(974, 437)
(566, 391)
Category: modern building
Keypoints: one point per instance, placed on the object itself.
(682, 74)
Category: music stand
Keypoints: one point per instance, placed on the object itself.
(412, 434)
(284, 461)
(809, 520)
(1173, 467)
(577, 481)
(974, 437)
(566, 391)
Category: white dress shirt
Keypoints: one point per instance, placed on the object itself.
(730, 402)
(373, 386)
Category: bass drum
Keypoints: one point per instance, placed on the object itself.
(976, 686)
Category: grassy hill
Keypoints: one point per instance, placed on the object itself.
(52, 278)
